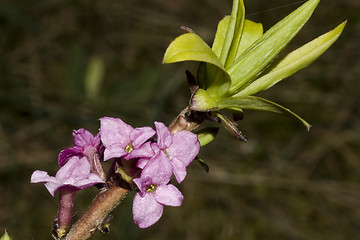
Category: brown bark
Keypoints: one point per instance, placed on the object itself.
(100, 208)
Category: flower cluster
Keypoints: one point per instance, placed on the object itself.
(171, 153)
(158, 154)
(77, 165)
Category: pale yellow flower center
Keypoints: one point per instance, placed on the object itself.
(150, 188)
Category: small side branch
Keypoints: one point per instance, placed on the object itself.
(100, 208)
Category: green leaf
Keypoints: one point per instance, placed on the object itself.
(260, 104)
(214, 80)
(201, 75)
(220, 35)
(6, 236)
(230, 125)
(203, 164)
(202, 101)
(207, 135)
(225, 46)
(252, 31)
(190, 47)
(217, 80)
(266, 48)
(294, 62)
(233, 33)
(123, 174)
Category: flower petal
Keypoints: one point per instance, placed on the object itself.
(97, 140)
(67, 153)
(146, 210)
(114, 151)
(168, 195)
(75, 168)
(52, 184)
(179, 169)
(185, 146)
(52, 187)
(83, 138)
(158, 168)
(142, 183)
(89, 181)
(114, 131)
(40, 176)
(142, 162)
(74, 175)
(164, 137)
(140, 135)
(144, 151)
(155, 147)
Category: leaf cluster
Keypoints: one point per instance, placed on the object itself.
(241, 61)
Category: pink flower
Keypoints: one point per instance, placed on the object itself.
(74, 175)
(154, 191)
(180, 148)
(85, 145)
(122, 140)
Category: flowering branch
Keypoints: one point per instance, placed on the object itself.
(105, 202)
(144, 159)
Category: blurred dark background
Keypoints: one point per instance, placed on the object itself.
(64, 64)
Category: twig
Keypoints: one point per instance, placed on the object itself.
(104, 203)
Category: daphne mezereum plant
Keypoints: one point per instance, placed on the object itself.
(239, 64)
